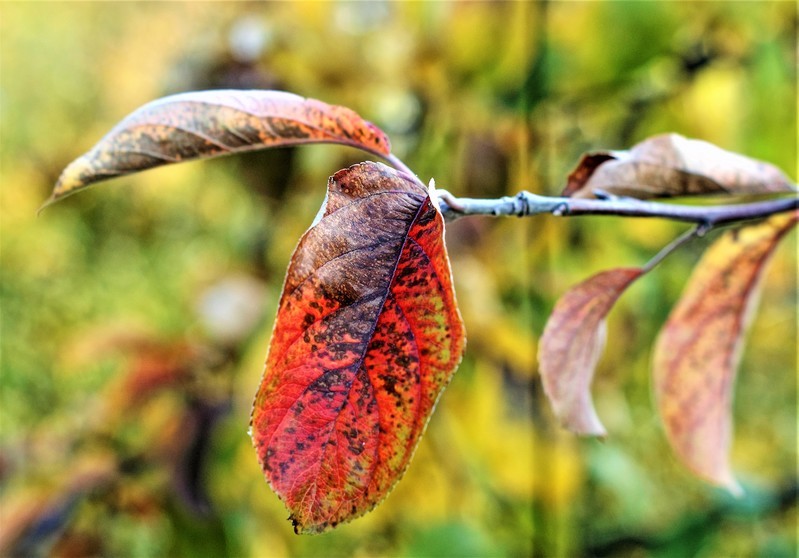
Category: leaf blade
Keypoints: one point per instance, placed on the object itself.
(670, 165)
(572, 344)
(366, 337)
(697, 351)
(203, 124)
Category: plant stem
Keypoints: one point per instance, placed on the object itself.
(397, 163)
(698, 230)
(525, 204)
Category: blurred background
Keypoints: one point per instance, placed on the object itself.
(136, 315)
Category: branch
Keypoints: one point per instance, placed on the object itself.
(525, 204)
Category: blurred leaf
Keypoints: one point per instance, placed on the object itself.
(572, 343)
(206, 124)
(670, 165)
(366, 337)
(697, 351)
(34, 516)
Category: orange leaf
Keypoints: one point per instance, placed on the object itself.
(670, 165)
(367, 335)
(572, 343)
(207, 124)
(698, 349)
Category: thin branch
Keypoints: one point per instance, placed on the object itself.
(525, 204)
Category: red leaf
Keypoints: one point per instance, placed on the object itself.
(572, 343)
(206, 124)
(671, 165)
(698, 349)
(367, 336)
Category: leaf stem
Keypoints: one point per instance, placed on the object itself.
(525, 204)
(698, 230)
(397, 163)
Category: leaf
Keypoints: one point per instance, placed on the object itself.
(572, 343)
(367, 335)
(206, 124)
(698, 349)
(670, 165)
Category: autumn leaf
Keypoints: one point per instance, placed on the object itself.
(205, 124)
(572, 343)
(698, 349)
(670, 165)
(367, 335)
(35, 514)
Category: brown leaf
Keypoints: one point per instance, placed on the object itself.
(572, 343)
(206, 124)
(670, 165)
(698, 349)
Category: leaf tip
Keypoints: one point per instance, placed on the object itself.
(310, 527)
(295, 523)
(734, 487)
(586, 423)
(77, 175)
(725, 480)
(47, 203)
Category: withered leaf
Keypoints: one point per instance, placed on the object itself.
(670, 165)
(206, 124)
(367, 335)
(698, 349)
(572, 343)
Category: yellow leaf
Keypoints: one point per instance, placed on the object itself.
(698, 349)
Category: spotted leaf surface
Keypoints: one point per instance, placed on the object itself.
(572, 343)
(206, 124)
(367, 335)
(697, 351)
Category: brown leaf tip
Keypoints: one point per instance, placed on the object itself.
(585, 168)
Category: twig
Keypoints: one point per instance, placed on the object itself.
(525, 204)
